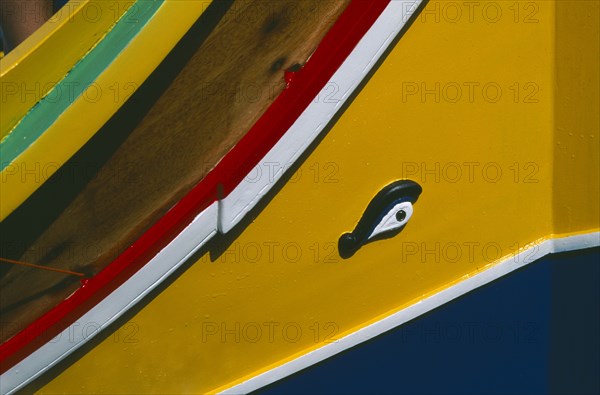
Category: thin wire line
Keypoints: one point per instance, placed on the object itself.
(51, 269)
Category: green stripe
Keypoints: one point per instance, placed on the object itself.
(77, 81)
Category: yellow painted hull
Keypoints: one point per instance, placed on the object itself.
(494, 114)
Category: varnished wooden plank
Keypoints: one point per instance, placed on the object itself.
(205, 111)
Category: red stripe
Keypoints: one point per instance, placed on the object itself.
(337, 44)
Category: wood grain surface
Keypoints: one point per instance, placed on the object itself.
(226, 85)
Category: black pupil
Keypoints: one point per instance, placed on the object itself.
(400, 215)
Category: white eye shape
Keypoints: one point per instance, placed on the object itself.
(396, 218)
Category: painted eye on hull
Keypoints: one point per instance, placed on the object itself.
(395, 219)
(386, 215)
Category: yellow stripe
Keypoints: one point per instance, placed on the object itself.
(71, 130)
(385, 134)
(42, 60)
(577, 119)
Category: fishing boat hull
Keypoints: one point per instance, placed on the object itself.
(243, 282)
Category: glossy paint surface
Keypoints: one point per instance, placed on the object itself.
(466, 106)
(32, 167)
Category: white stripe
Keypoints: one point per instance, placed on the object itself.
(194, 236)
(394, 320)
(224, 214)
(229, 211)
(317, 115)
